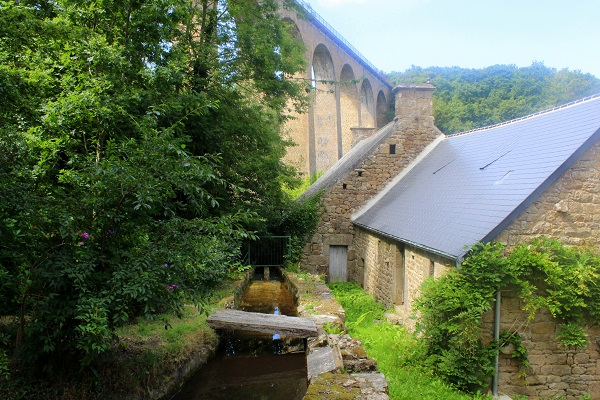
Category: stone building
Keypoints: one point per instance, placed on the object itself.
(408, 202)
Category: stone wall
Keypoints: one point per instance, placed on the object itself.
(377, 260)
(414, 130)
(568, 210)
(555, 371)
(419, 265)
(394, 272)
(323, 133)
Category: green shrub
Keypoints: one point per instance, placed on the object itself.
(545, 274)
(400, 355)
(298, 220)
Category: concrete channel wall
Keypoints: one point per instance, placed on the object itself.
(338, 365)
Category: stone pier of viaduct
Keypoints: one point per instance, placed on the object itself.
(350, 97)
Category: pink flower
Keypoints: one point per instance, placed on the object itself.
(85, 235)
(82, 243)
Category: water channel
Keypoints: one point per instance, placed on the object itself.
(253, 366)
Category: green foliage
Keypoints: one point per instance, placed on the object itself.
(139, 146)
(4, 361)
(471, 98)
(356, 304)
(237, 270)
(573, 335)
(399, 354)
(299, 220)
(295, 189)
(545, 274)
(518, 352)
(332, 329)
(452, 332)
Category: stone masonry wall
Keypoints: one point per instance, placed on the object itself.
(413, 132)
(320, 132)
(377, 255)
(568, 210)
(393, 272)
(418, 265)
(555, 371)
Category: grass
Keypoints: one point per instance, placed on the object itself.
(146, 355)
(166, 333)
(397, 351)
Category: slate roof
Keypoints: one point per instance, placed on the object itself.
(472, 185)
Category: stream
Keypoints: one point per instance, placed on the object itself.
(253, 366)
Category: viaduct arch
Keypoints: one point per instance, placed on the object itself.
(350, 97)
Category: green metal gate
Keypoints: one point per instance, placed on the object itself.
(268, 251)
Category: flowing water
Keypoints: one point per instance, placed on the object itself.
(253, 366)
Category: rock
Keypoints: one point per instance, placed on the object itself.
(394, 319)
(364, 365)
(323, 360)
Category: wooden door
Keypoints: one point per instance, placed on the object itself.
(338, 263)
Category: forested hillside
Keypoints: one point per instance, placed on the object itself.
(471, 98)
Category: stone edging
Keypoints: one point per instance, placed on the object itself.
(338, 365)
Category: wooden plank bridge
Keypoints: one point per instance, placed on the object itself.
(264, 323)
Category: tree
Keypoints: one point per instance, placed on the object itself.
(134, 139)
(472, 98)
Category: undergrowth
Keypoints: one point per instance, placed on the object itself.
(144, 355)
(398, 353)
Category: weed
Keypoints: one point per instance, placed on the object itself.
(332, 329)
(399, 354)
(304, 275)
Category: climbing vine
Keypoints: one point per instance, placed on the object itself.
(510, 344)
(545, 274)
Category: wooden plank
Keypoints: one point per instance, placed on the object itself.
(265, 323)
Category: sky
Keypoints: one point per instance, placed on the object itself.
(396, 34)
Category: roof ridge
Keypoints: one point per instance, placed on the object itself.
(350, 160)
(593, 96)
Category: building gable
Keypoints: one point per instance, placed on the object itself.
(472, 185)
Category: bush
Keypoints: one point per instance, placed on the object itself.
(400, 355)
(545, 274)
(298, 220)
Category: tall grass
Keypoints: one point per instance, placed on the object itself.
(397, 351)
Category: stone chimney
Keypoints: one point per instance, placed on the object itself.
(414, 104)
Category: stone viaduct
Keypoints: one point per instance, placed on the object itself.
(350, 97)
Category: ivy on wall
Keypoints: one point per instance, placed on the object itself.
(545, 274)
